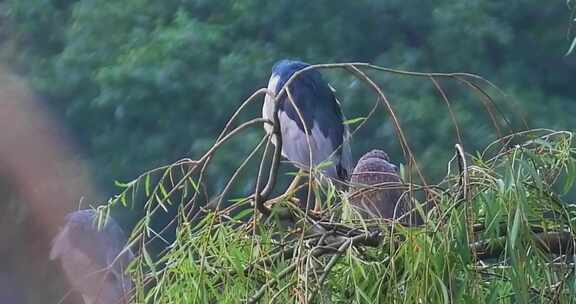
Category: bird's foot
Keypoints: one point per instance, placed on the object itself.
(317, 213)
(284, 197)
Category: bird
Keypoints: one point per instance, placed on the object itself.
(315, 111)
(94, 259)
(375, 186)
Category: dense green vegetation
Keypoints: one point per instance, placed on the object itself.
(144, 83)
(498, 232)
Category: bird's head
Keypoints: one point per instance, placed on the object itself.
(376, 154)
(285, 68)
(373, 161)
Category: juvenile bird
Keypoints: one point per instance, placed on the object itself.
(375, 186)
(94, 260)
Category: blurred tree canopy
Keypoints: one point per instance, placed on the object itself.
(144, 83)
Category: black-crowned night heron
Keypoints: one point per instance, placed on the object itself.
(315, 111)
(93, 259)
(375, 186)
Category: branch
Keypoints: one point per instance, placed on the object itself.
(337, 247)
(261, 197)
(550, 242)
(463, 166)
(331, 264)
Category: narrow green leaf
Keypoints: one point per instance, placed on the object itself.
(570, 177)
(149, 260)
(534, 174)
(572, 46)
(515, 228)
(354, 120)
(147, 185)
(444, 289)
(242, 214)
(123, 185)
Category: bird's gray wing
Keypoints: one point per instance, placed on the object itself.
(316, 112)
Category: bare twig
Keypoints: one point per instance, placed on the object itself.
(463, 166)
(345, 245)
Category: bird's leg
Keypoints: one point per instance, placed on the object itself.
(317, 204)
(317, 199)
(294, 184)
(289, 191)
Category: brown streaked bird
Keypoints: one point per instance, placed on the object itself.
(375, 187)
(93, 259)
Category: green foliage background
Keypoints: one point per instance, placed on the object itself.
(144, 83)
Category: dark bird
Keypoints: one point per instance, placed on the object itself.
(375, 186)
(315, 111)
(93, 259)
